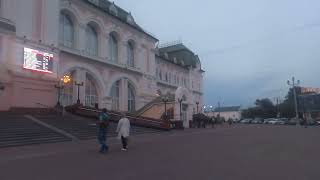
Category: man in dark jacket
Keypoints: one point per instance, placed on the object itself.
(103, 124)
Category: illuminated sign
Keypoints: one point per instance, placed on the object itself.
(309, 90)
(37, 60)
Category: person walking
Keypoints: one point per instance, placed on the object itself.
(123, 130)
(103, 124)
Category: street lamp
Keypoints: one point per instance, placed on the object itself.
(180, 103)
(2, 87)
(78, 84)
(64, 80)
(294, 84)
(165, 99)
(211, 109)
(197, 103)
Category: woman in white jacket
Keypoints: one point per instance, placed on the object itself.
(123, 130)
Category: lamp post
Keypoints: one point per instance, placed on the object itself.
(219, 110)
(2, 87)
(180, 104)
(294, 84)
(64, 80)
(165, 100)
(197, 103)
(59, 87)
(78, 84)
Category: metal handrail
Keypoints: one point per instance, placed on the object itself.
(144, 119)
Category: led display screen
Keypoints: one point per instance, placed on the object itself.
(37, 60)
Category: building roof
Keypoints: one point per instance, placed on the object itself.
(122, 15)
(227, 109)
(179, 54)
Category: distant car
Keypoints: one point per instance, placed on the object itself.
(294, 121)
(245, 121)
(312, 122)
(236, 120)
(270, 121)
(257, 121)
(282, 121)
(273, 121)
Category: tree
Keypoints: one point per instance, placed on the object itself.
(264, 108)
(287, 108)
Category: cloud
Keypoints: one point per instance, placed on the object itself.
(248, 48)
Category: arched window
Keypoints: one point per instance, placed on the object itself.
(92, 40)
(66, 34)
(130, 54)
(160, 75)
(67, 92)
(166, 77)
(115, 95)
(113, 47)
(131, 98)
(91, 94)
(157, 73)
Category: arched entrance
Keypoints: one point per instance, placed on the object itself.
(123, 94)
(91, 93)
(67, 93)
(131, 98)
(115, 96)
(183, 109)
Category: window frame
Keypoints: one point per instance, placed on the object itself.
(130, 54)
(131, 98)
(113, 48)
(115, 96)
(92, 48)
(63, 30)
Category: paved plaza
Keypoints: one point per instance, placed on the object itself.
(240, 152)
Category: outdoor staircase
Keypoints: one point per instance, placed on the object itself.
(85, 128)
(147, 106)
(156, 108)
(17, 130)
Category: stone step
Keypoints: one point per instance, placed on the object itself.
(31, 142)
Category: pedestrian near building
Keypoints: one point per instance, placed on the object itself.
(103, 124)
(123, 130)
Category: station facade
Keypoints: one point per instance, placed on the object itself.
(116, 64)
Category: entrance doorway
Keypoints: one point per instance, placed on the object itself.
(184, 113)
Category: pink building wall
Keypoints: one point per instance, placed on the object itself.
(37, 27)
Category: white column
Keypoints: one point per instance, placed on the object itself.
(105, 51)
(102, 45)
(122, 52)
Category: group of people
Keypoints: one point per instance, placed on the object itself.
(123, 130)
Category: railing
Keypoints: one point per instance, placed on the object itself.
(115, 116)
(147, 106)
(6, 20)
(168, 44)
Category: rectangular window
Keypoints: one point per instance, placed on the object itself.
(0, 8)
